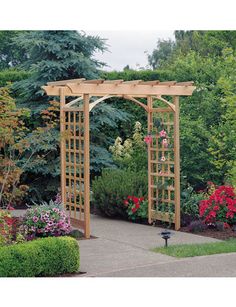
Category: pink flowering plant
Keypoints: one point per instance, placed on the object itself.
(44, 221)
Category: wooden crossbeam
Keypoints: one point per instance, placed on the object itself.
(169, 83)
(64, 82)
(135, 88)
(133, 82)
(160, 110)
(119, 81)
(95, 81)
(128, 89)
(188, 83)
(155, 82)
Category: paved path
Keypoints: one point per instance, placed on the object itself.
(122, 249)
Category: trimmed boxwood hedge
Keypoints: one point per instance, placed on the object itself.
(42, 257)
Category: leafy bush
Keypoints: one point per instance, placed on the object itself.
(41, 257)
(197, 226)
(132, 153)
(136, 207)
(114, 186)
(190, 205)
(45, 220)
(12, 75)
(220, 207)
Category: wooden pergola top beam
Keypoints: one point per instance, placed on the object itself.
(102, 87)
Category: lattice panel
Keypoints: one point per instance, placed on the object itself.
(74, 164)
(162, 166)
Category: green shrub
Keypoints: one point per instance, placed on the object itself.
(114, 186)
(12, 75)
(190, 205)
(41, 257)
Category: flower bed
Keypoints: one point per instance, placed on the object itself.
(36, 244)
(44, 221)
(219, 207)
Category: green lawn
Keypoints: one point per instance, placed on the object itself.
(191, 250)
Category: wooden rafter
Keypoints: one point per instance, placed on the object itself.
(64, 82)
(134, 88)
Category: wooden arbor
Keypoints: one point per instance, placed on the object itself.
(163, 158)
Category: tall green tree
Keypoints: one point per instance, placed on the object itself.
(207, 117)
(55, 55)
(59, 55)
(10, 54)
(206, 43)
(161, 54)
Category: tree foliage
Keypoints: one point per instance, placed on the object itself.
(161, 54)
(57, 55)
(12, 146)
(207, 118)
(10, 54)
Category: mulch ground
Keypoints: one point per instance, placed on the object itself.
(210, 232)
(213, 233)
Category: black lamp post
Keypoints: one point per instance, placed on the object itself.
(166, 235)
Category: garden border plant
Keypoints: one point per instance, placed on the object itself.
(42, 257)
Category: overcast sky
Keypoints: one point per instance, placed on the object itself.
(129, 47)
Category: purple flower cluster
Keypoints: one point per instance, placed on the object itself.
(45, 221)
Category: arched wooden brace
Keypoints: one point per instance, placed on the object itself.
(127, 97)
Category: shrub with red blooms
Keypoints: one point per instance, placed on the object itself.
(136, 207)
(7, 227)
(220, 207)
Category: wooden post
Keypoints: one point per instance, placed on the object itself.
(149, 121)
(177, 162)
(62, 147)
(86, 168)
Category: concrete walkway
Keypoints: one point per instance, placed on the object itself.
(122, 249)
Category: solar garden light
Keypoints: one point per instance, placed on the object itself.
(166, 235)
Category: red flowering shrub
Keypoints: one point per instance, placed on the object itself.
(220, 207)
(136, 207)
(7, 227)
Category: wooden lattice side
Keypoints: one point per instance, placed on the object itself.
(162, 160)
(74, 163)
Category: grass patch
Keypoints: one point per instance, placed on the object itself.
(191, 250)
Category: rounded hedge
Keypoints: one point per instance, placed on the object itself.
(42, 257)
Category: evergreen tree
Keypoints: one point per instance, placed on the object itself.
(60, 55)
(10, 54)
